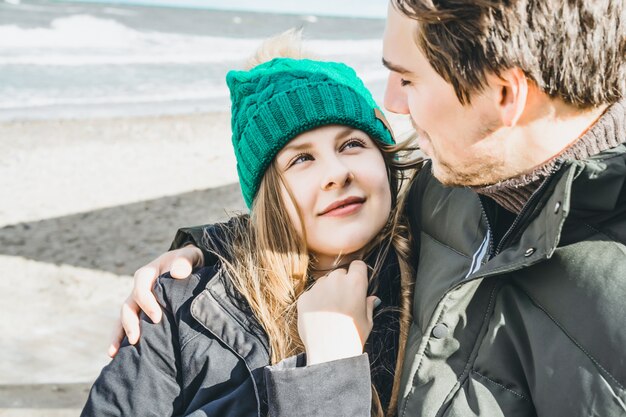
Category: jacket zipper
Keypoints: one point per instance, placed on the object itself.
(522, 214)
(489, 232)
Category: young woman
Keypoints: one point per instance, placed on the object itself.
(320, 172)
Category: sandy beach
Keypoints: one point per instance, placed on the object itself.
(86, 202)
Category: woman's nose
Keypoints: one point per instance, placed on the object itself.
(337, 175)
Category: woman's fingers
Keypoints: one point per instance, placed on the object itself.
(335, 316)
(358, 272)
(372, 303)
(358, 268)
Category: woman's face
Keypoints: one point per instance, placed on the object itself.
(338, 178)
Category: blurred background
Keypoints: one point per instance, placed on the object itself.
(114, 132)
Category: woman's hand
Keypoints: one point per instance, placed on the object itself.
(335, 316)
(179, 263)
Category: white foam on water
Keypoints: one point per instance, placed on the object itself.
(77, 31)
(88, 40)
(67, 60)
(205, 94)
(84, 41)
(344, 8)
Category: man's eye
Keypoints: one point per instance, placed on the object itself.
(353, 143)
(404, 82)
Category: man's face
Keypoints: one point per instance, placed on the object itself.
(458, 138)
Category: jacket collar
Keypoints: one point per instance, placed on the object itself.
(216, 311)
(580, 188)
(599, 183)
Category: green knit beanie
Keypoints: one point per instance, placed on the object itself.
(276, 101)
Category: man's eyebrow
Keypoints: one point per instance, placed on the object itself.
(395, 68)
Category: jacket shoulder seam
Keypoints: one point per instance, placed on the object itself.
(197, 327)
(445, 246)
(574, 341)
(517, 394)
(175, 303)
(604, 232)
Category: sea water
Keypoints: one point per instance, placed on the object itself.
(73, 60)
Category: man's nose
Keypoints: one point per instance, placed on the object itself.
(395, 96)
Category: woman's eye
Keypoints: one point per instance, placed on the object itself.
(353, 143)
(303, 157)
(404, 82)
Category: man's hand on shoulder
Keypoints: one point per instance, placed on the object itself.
(179, 263)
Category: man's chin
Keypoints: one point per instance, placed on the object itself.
(474, 179)
(449, 178)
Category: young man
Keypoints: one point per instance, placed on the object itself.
(519, 219)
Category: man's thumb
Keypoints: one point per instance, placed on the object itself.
(181, 268)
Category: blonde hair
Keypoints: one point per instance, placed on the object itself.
(268, 262)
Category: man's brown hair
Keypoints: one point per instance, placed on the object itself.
(572, 49)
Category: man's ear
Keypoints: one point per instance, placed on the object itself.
(511, 88)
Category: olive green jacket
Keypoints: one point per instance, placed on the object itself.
(533, 326)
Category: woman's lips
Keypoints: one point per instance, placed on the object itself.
(344, 207)
(344, 210)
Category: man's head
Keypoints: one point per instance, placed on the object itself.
(497, 87)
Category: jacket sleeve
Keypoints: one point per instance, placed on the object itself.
(194, 236)
(339, 388)
(142, 380)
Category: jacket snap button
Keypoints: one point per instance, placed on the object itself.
(529, 252)
(440, 331)
(557, 206)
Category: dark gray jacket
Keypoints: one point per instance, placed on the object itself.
(207, 355)
(534, 325)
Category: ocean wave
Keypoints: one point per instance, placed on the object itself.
(83, 60)
(345, 8)
(61, 60)
(89, 33)
(32, 102)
